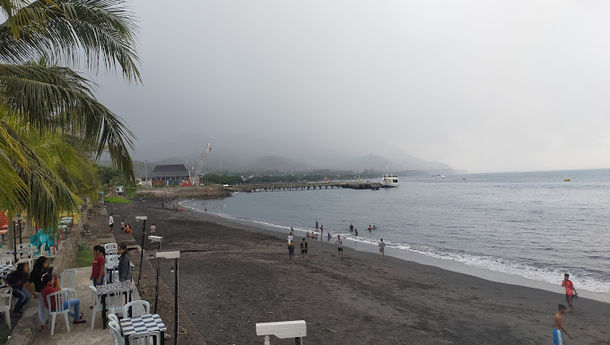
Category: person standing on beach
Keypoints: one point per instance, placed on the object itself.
(123, 225)
(558, 329)
(356, 231)
(153, 229)
(316, 225)
(381, 248)
(110, 222)
(291, 252)
(570, 291)
(339, 246)
(329, 236)
(290, 235)
(304, 247)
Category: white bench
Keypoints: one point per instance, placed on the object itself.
(282, 330)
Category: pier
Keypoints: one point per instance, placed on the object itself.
(277, 187)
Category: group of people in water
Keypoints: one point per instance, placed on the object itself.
(313, 235)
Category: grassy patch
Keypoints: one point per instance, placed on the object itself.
(84, 257)
(116, 200)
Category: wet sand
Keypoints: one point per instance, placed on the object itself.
(233, 276)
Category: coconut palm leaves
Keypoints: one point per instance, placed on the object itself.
(43, 100)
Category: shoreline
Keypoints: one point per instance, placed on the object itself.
(408, 256)
(236, 275)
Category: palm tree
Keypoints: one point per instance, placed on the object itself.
(40, 95)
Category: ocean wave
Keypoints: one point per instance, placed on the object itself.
(546, 274)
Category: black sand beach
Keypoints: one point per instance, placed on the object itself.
(234, 276)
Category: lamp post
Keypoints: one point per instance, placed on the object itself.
(21, 225)
(157, 239)
(15, 240)
(173, 255)
(143, 220)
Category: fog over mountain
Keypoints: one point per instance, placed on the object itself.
(224, 160)
(476, 84)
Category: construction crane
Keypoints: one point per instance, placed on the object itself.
(197, 168)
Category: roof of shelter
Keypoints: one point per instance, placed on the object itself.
(170, 171)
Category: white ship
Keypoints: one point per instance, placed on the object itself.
(389, 180)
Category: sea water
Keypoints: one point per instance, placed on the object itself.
(532, 225)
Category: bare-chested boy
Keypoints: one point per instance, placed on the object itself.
(558, 329)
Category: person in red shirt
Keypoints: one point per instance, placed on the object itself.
(570, 291)
(98, 267)
(51, 285)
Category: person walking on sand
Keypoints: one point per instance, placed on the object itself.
(304, 247)
(339, 246)
(290, 236)
(381, 248)
(558, 329)
(110, 222)
(570, 291)
(291, 252)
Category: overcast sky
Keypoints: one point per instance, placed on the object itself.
(480, 85)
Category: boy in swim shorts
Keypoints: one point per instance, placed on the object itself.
(559, 330)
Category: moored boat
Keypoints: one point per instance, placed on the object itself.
(389, 181)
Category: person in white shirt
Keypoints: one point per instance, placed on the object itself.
(110, 222)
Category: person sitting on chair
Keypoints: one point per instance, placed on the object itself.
(51, 285)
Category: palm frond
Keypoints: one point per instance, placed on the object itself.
(58, 98)
(45, 195)
(63, 29)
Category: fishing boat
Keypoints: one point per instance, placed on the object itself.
(389, 181)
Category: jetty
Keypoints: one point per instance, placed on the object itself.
(292, 186)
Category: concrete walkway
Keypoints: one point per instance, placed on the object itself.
(29, 329)
(79, 334)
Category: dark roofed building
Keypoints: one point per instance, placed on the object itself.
(169, 175)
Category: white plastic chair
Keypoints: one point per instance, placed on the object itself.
(58, 297)
(97, 306)
(28, 261)
(114, 304)
(113, 260)
(6, 260)
(66, 282)
(111, 248)
(113, 317)
(145, 338)
(136, 308)
(45, 251)
(115, 332)
(6, 296)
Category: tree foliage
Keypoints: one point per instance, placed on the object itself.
(52, 127)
